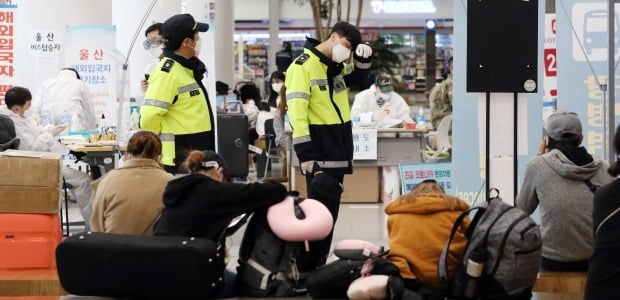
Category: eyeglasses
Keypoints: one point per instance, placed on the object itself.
(151, 43)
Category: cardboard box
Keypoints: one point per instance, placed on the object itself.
(30, 185)
(360, 187)
(30, 171)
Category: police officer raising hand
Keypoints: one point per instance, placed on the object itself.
(318, 109)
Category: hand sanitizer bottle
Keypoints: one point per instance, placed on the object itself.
(421, 119)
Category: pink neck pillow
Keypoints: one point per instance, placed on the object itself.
(297, 219)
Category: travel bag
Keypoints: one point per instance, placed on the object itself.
(141, 267)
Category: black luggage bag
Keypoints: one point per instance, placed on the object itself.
(140, 267)
(233, 139)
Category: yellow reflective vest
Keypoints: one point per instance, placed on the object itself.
(318, 108)
(176, 107)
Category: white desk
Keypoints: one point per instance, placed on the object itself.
(391, 151)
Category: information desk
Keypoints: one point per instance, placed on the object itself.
(100, 158)
(406, 146)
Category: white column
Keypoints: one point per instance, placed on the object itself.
(50, 15)
(274, 29)
(126, 15)
(224, 30)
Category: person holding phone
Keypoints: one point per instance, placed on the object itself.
(561, 181)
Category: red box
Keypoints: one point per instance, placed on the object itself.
(28, 241)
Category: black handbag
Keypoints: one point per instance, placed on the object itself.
(143, 267)
(332, 280)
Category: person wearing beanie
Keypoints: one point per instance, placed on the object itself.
(561, 181)
(319, 113)
(176, 105)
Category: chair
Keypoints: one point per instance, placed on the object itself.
(442, 138)
(270, 139)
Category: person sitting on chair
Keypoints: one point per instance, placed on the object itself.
(379, 103)
(120, 207)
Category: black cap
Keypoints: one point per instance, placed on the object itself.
(349, 31)
(182, 25)
(221, 88)
(213, 160)
(8, 138)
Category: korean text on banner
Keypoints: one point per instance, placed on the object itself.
(364, 143)
(7, 40)
(88, 50)
(413, 174)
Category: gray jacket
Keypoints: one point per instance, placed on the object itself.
(557, 185)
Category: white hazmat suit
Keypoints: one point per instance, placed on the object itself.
(366, 107)
(65, 100)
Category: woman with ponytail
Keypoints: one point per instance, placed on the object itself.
(203, 203)
(603, 275)
(127, 199)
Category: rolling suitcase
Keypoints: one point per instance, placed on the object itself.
(29, 240)
(142, 267)
(233, 136)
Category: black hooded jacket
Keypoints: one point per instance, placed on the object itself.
(199, 206)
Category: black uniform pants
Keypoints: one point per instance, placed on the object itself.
(319, 250)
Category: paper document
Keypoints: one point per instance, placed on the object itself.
(12, 152)
(390, 123)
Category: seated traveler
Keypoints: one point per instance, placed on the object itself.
(603, 276)
(122, 202)
(419, 224)
(561, 180)
(203, 203)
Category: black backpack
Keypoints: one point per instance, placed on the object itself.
(506, 243)
(268, 264)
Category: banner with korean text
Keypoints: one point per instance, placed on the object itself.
(413, 174)
(88, 49)
(7, 50)
(364, 143)
(46, 46)
(582, 59)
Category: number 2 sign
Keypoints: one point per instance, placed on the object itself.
(550, 62)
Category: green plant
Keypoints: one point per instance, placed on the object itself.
(384, 58)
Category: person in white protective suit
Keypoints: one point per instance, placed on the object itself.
(379, 106)
(35, 137)
(154, 45)
(66, 100)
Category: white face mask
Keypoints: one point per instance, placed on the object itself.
(277, 86)
(156, 52)
(198, 46)
(384, 96)
(340, 53)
